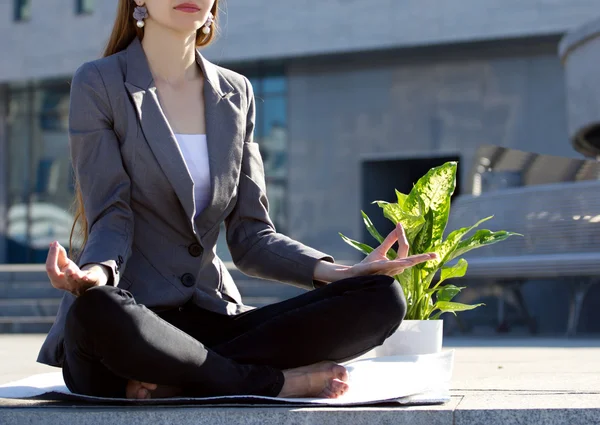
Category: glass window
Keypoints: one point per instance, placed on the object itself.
(270, 132)
(40, 178)
(274, 140)
(274, 85)
(22, 10)
(84, 7)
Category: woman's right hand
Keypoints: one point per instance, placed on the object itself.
(65, 274)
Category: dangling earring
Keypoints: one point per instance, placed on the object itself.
(139, 14)
(208, 23)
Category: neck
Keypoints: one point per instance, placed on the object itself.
(171, 55)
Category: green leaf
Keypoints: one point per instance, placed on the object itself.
(391, 254)
(424, 238)
(479, 239)
(450, 307)
(447, 247)
(457, 270)
(371, 228)
(405, 280)
(435, 190)
(450, 272)
(447, 292)
(401, 198)
(365, 249)
(412, 223)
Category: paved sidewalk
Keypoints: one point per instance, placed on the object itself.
(495, 381)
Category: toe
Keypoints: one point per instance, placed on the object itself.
(149, 386)
(338, 387)
(132, 388)
(341, 373)
(327, 393)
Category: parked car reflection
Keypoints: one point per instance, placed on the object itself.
(31, 228)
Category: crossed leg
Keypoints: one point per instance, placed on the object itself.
(111, 340)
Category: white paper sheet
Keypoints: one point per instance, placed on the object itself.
(423, 379)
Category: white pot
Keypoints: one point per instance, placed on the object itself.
(412, 337)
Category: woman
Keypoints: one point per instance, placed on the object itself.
(162, 149)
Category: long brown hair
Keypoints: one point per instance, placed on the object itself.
(124, 31)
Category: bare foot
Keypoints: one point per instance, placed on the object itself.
(325, 380)
(144, 390)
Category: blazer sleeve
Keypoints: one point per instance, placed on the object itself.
(98, 166)
(256, 248)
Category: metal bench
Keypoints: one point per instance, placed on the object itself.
(561, 227)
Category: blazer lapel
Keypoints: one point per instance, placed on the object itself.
(225, 123)
(225, 126)
(156, 129)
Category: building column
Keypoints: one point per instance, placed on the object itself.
(3, 172)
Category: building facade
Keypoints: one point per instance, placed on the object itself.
(354, 99)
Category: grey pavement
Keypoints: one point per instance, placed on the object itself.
(496, 381)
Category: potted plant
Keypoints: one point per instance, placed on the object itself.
(424, 214)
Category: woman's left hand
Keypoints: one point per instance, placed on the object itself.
(378, 263)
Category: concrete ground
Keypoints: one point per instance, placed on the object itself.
(496, 381)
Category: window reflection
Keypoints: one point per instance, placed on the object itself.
(40, 177)
(271, 133)
(274, 141)
(22, 10)
(40, 180)
(274, 85)
(83, 7)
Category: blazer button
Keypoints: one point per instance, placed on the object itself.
(188, 280)
(195, 250)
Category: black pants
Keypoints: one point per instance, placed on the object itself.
(109, 339)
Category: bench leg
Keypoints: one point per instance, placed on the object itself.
(501, 310)
(502, 324)
(511, 292)
(518, 294)
(578, 292)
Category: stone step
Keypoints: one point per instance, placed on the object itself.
(23, 272)
(9, 290)
(27, 324)
(29, 307)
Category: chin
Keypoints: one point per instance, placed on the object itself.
(186, 27)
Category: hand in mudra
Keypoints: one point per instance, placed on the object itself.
(378, 263)
(65, 274)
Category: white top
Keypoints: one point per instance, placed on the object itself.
(195, 153)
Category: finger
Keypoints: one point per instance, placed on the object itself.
(78, 274)
(63, 258)
(407, 261)
(412, 261)
(52, 261)
(394, 267)
(71, 268)
(389, 241)
(80, 285)
(74, 275)
(428, 256)
(403, 246)
(77, 285)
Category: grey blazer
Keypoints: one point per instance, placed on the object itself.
(139, 195)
